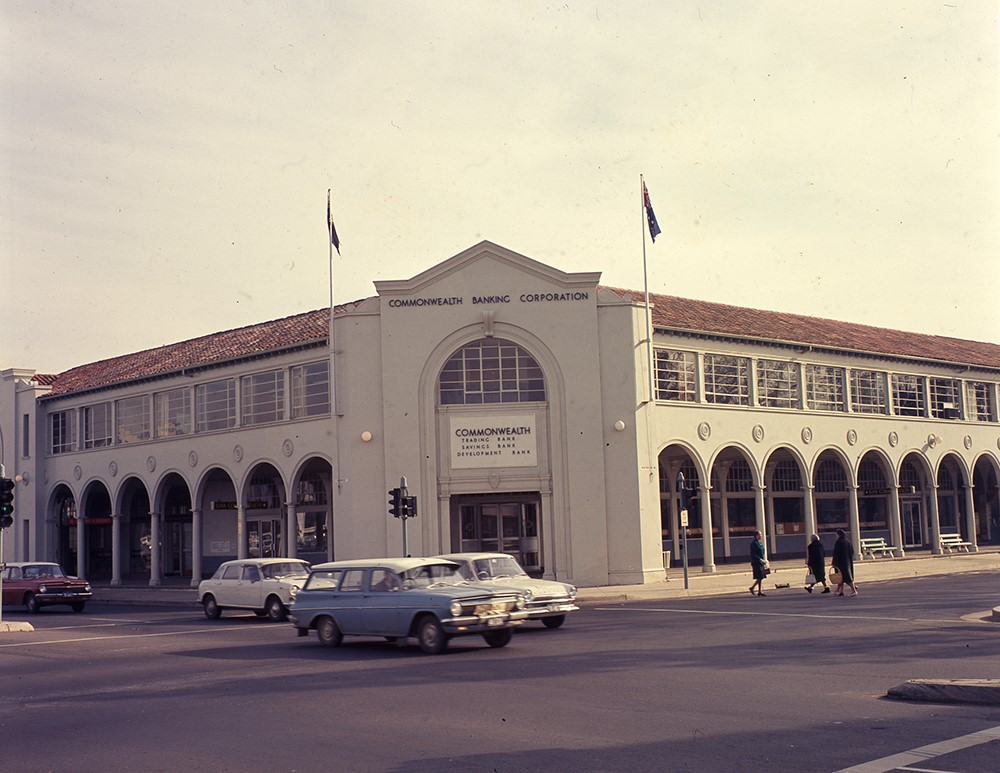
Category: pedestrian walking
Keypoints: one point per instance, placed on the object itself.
(843, 561)
(816, 561)
(758, 562)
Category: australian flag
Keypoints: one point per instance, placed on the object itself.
(654, 227)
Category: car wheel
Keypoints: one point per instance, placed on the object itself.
(212, 609)
(31, 604)
(260, 612)
(499, 638)
(431, 636)
(77, 606)
(275, 610)
(329, 632)
(554, 622)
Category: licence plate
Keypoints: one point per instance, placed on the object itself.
(495, 621)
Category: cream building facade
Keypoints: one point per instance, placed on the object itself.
(527, 412)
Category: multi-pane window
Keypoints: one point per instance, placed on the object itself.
(825, 388)
(97, 425)
(868, 392)
(981, 401)
(172, 412)
(778, 384)
(946, 398)
(491, 371)
(62, 432)
(262, 398)
(675, 375)
(133, 419)
(908, 395)
(786, 476)
(263, 493)
(727, 379)
(310, 385)
(215, 405)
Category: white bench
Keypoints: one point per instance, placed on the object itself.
(954, 543)
(872, 545)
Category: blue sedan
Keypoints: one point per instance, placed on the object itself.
(399, 598)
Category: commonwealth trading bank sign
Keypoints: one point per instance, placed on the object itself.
(505, 441)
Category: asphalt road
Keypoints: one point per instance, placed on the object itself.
(790, 682)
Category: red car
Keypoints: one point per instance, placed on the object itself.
(37, 583)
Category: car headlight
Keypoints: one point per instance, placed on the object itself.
(455, 608)
(528, 595)
(572, 591)
(520, 602)
(86, 588)
(293, 591)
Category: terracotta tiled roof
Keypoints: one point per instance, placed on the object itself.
(227, 346)
(45, 379)
(674, 313)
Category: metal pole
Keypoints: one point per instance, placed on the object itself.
(683, 523)
(402, 497)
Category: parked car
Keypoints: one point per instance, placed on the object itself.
(37, 584)
(546, 600)
(399, 598)
(264, 585)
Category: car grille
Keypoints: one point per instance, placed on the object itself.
(493, 607)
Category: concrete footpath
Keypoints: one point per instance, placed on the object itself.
(728, 578)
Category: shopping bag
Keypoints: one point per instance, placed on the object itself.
(810, 579)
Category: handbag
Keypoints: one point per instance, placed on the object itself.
(835, 576)
(810, 579)
(767, 568)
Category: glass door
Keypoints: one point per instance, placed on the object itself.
(264, 535)
(913, 532)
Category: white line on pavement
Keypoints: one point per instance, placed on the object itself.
(779, 614)
(125, 636)
(924, 753)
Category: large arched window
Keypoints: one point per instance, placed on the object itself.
(491, 371)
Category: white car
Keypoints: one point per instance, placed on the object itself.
(265, 586)
(546, 600)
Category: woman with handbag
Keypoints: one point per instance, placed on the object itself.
(816, 561)
(758, 562)
(843, 562)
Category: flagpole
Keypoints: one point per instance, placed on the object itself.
(645, 282)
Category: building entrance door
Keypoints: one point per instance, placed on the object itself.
(913, 530)
(502, 527)
(177, 549)
(264, 537)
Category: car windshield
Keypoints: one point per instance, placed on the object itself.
(284, 569)
(497, 568)
(43, 572)
(432, 574)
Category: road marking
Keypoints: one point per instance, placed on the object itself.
(925, 753)
(124, 636)
(754, 614)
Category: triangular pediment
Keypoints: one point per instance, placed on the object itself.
(487, 251)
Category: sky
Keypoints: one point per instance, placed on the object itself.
(166, 165)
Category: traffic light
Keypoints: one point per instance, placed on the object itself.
(409, 507)
(395, 502)
(6, 503)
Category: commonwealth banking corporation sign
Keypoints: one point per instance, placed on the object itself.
(504, 441)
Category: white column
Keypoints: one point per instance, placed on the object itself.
(935, 516)
(196, 558)
(895, 521)
(707, 539)
(810, 511)
(970, 519)
(155, 550)
(81, 545)
(855, 520)
(291, 528)
(759, 511)
(116, 549)
(241, 531)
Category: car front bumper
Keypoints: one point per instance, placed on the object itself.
(483, 623)
(550, 609)
(62, 596)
